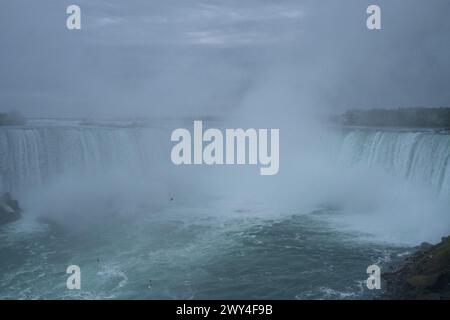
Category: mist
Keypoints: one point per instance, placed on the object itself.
(257, 64)
(194, 58)
(93, 161)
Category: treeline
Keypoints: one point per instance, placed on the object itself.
(402, 117)
(13, 118)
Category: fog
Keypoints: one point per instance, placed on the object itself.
(266, 64)
(193, 58)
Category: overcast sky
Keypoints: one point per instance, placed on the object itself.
(210, 57)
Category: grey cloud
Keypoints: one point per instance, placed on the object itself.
(176, 58)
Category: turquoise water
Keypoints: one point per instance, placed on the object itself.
(296, 257)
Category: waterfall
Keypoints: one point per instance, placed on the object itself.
(30, 157)
(417, 156)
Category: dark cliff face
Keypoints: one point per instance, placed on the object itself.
(9, 209)
(423, 275)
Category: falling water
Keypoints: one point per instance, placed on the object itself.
(422, 157)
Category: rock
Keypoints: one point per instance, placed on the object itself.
(424, 246)
(9, 209)
(423, 281)
(423, 275)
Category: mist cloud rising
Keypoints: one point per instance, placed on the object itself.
(198, 57)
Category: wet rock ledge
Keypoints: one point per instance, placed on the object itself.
(423, 275)
(9, 209)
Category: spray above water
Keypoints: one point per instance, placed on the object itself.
(391, 184)
(239, 145)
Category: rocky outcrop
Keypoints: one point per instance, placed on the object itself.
(423, 275)
(9, 209)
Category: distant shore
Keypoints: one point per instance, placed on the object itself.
(438, 118)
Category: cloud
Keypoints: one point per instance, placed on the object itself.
(199, 57)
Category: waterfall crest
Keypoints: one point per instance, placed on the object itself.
(31, 157)
(417, 156)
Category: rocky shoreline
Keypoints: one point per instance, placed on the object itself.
(424, 275)
(9, 209)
